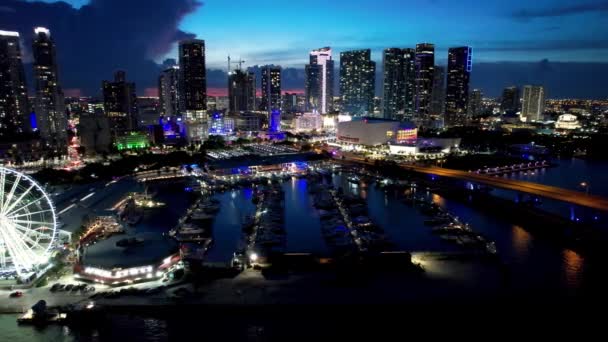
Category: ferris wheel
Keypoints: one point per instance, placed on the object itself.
(28, 223)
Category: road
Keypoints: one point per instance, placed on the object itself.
(91, 199)
(541, 190)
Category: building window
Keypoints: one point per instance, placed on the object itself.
(389, 134)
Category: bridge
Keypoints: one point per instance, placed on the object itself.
(545, 191)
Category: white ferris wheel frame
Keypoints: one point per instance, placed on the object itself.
(26, 260)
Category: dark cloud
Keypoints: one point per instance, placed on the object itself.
(103, 36)
(561, 79)
(559, 11)
(542, 45)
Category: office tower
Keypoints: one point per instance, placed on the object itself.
(409, 70)
(120, 103)
(271, 88)
(437, 107)
(14, 116)
(510, 100)
(533, 105)
(320, 81)
(168, 92)
(398, 83)
(290, 103)
(251, 91)
(49, 103)
(192, 79)
(460, 64)
(475, 107)
(357, 82)
(240, 91)
(424, 74)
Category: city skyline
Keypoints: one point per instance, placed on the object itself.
(543, 39)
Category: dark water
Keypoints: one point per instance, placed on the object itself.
(533, 262)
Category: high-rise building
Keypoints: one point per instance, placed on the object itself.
(533, 105)
(398, 83)
(424, 74)
(475, 107)
(271, 88)
(239, 90)
(13, 93)
(49, 103)
(120, 103)
(460, 64)
(168, 92)
(320, 81)
(510, 100)
(437, 108)
(290, 103)
(357, 82)
(251, 91)
(192, 79)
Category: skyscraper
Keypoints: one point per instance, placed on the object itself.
(120, 103)
(357, 82)
(457, 91)
(251, 91)
(425, 72)
(533, 105)
(239, 91)
(398, 83)
(319, 81)
(193, 79)
(271, 88)
(475, 103)
(393, 82)
(437, 108)
(13, 93)
(510, 100)
(168, 92)
(49, 104)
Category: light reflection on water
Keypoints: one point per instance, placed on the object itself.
(573, 268)
(522, 240)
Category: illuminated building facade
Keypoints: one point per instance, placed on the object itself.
(357, 82)
(437, 108)
(120, 103)
(168, 92)
(132, 141)
(460, 64)
(192, 79)
(49, 103)
(398, 83)
(424, 75)
(533, 104)
(373, 131)
(14, 117)
(319, 81)
(510, 100)
(271, 88)
(308, 122)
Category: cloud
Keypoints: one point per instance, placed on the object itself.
(105, 35)
(542, 45)
(560, 11)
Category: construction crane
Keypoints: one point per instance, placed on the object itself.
(239, 62)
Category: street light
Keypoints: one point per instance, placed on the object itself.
(586, 185)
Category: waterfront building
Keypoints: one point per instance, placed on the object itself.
(398, 83)
(424, 75)
(308, 122)
(533, 104)
(14, 116)
(319, 81)
(357, 82)
(192, 79)
(370, 131)
(460, 64)
(49, 104)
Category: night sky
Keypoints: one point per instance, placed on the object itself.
(559, 43)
